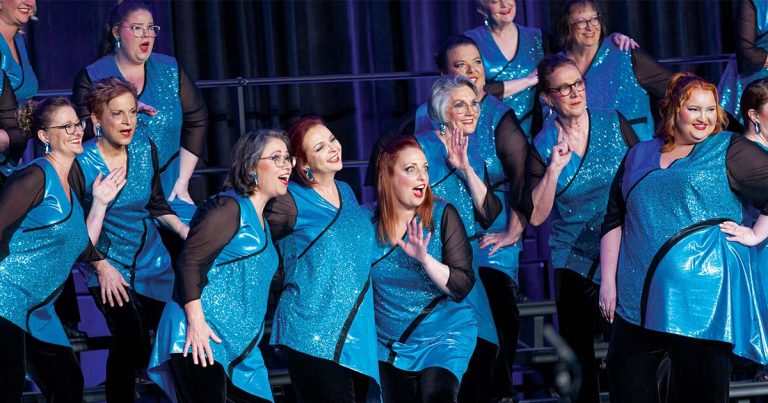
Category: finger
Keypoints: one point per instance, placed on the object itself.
(194, 354)
(109, 299)
(186, 347)
(103, 296)
(123, 293)
(209, 353)
(401, 244)
(214, 337)
(123, 282)
(201, 352)
(172, 196)
(427, 238)
(97, 181)
(493, 250)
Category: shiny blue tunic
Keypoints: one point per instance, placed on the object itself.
(418, 326)
(611, 84)
(732, 83)
(161, 91)
(129, 237)
(326, 308)
(448, 185)
(530, 51)
(582, 192)
(676, 272)
(22, 77)
(234, 303)
(41, 253)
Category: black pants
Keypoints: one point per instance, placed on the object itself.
(503, 300)
(130, 326)
(477, 384)
(195, 383)
(66, 305)
(701, 369)
(54, 368)
(579, 320)
(430, 385)
(323, 381)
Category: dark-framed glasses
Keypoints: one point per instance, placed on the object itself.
(566, 89)
(69, 128)
(582, 23)
(281, 160)
(461, 107)
(140, 31)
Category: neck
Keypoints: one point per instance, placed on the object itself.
(125, 63)
(582, 55)
(324, 181)
(259, 200)
(574, 125)
(7, 29)
(108, 149)
(60, 163)
(504, 29)
(404, 214)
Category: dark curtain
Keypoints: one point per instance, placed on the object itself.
(228, 39)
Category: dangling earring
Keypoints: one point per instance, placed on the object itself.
(99, 133)
(757, 127)
(308, 174)
(442, 128)
(485, 21)
(117, 44)
(255, 178)
(47, 147)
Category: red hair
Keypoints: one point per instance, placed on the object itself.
(296, 133)
(679, 90)
(385, 213)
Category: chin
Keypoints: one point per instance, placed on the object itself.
(469, 129)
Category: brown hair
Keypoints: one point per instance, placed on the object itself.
(564, 25)
(548, 65)
(34, 116)
(754, 97)
(679, 90)
(246, 156)
(385, 212)
(296, 133)
(106, 90)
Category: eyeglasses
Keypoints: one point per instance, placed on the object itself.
(582, 23)
(140, 32)
(281, 160)
(566, 89)
(69, 128)
(461, 107)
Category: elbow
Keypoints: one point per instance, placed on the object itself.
(537, 219)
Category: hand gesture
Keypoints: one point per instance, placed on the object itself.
(180, 190)
(500, 239)
(624, 42)
(739, 233)
(104, 191)
(533, 78)
(146, 109)
(607, 299)
(416, 245)
(457, 149)
(199, 335)
(112, 284)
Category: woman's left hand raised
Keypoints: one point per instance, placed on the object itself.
(457, 149)
(416, 243)
(105, 190)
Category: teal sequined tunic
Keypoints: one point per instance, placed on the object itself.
(23, 79)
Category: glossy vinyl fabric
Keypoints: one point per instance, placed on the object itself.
(161, 91)
(129, 237)
(326, 308)
(419, 326)
(49, 239)
(22, 77)
(582, 192)
(446, 184)
(530, 51)
(234, 303)
(611, 84)
(663, 202)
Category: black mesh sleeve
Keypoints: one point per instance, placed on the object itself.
(535, 168)
(214, 225)
(512, 150)
(457, 253)
(281, 214)
(157, 205)
(750, 57)
(23, 191)
(651, 75)
(627, 132)
(747, 165)
(616, 209)
(81, 87)
(194, 125)
(8, 122)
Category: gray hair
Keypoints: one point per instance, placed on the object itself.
(246, 155)
(441, 94)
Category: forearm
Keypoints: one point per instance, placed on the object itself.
(187, 164)
(5, 142)
(477, 189)
(172, 222)
(194, 311)
(761, 227)
(543, 196)
(513, 87)
(95, 221)
(437, 272)
(609, 255)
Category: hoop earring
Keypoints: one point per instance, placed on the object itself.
(255, 178)
(757, 127)
(308, 174)
(48, 148)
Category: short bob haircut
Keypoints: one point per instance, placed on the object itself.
(564, 25)
(385, 215)
(245, 157)
(296, 133)
(103, 91)
(548, 65)
(678, 91)
(440, 95)
(33, 116)
(454, 41)
(755, 96)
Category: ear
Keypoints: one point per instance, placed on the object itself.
(43, 136)
(482, 11)
(752, 115)
(544, 97)
(95, 120)
(115, 32)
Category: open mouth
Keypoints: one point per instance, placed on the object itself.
(419, 191)
(700, 126)
(575, 104)
(284, 179)
(127, 133)
(335, 159)
(144, 46)
(473, 79)
(468, 122)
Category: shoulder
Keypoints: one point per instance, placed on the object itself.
(164, 59)
(475, 33)
(530, 31)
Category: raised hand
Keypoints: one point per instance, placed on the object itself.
(624, 42)
(457, 148)
(146, 109)
(105, 190)
(417, 241)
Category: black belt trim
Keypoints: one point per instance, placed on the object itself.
(412, 327)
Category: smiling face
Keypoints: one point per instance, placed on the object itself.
(465, 60)
(61, 143)
(696, 118)
(135, 50)
(462, 109)
(590, 34)
(500, 11)
(322, 150)
(17, 12)
(411, 177)
(273, 181)
(118, 120)
(567, 106)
